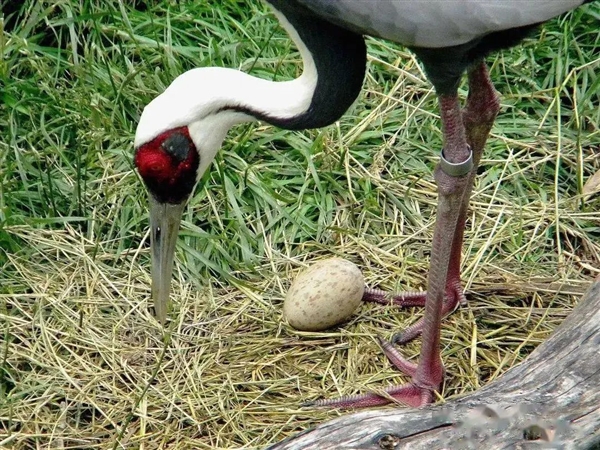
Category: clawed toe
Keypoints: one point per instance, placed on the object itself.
(405, 395)
(397, 360)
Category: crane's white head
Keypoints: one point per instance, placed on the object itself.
(181, 130)
(176, 140)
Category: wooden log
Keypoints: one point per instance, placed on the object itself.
(550, 400)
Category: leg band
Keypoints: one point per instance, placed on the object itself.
(458, 169)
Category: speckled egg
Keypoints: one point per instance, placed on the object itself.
(324, 295)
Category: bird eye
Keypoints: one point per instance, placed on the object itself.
(177, 145)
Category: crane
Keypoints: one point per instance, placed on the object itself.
(181, 130)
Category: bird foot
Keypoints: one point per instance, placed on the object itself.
(414, 394)
(454, 297)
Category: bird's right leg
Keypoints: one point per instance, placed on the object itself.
(452, 176)
(470, 126)
(478, 117)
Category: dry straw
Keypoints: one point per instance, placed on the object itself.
(85, 365)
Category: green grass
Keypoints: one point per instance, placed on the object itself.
(83, 364)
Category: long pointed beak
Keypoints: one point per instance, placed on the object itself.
(164, 223)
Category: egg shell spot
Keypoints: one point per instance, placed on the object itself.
(324, 295)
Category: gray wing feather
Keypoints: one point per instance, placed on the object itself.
(436, 23)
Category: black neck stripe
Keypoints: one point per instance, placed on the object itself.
(340, 58)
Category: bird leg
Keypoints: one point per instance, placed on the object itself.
(462, 129)
(452, 177)
(478, 117)
(483, 105)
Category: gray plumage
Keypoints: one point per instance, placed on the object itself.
(436, 23)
